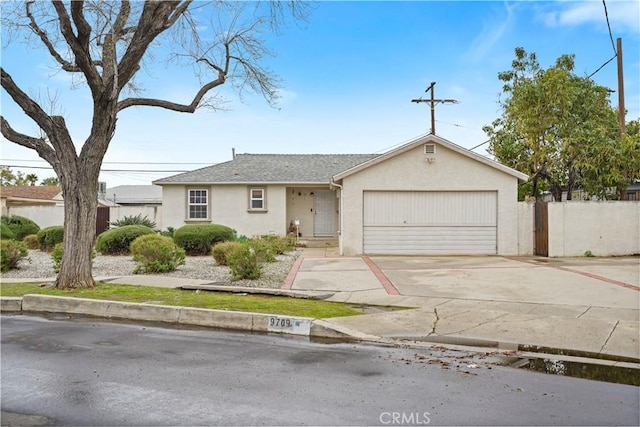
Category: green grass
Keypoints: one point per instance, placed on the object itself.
(286, 306)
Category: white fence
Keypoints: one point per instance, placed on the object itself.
(601, 228)
(578, 228)
(46, 216)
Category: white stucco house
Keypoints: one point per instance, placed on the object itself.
(427, 197)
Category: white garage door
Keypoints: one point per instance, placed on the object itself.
(430, 222)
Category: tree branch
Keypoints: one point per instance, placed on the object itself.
(28, 105)
(66, 65)
(37, 144)
(181, 108)
(81, 51)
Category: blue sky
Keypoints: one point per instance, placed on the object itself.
(349, 75)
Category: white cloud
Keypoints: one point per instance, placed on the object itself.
(492, 32)
(623, 15)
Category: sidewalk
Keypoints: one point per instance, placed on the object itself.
(578, 304)
(586, 305)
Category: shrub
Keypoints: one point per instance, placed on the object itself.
(281, 244)
(222, 250)
(197, 239)
(134, 220)
(31, 241)
(5, 232)
(49, 237)
(56, 256)
(11, 252)
(243, 263)
(168, 232)
(117, 241)
(263, 249)
(20, 226)
(156, 254)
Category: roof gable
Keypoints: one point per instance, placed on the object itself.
(271, 168)
(437, 140)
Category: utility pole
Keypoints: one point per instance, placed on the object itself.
(433, 103)
(621, 111)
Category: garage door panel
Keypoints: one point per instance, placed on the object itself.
(430, 223)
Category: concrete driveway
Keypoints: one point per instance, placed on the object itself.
(587, 304)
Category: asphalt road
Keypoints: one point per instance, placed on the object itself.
(92, 372)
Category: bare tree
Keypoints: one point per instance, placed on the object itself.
(106, 44)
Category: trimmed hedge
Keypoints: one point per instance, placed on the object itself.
(21, 226)
(117, 241)
(50, 236)
(198, 239)
(156, 254)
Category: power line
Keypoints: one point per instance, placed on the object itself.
(613, 45)
(120, 163)
(602, 66)
(105, 170)
(606, 15)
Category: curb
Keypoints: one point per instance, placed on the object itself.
(221, 319)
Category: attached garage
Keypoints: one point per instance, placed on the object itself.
(430, 222)
(429, 197)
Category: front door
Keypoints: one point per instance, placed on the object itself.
(324, 207)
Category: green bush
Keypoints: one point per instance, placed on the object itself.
(117, 241)
(281, 244)
(168, 232)
(11, 252)
(5, 232)
(198, 239)
(49, 237)
(156, 254)
(222, 250)
(243, 263)
(56, 256)
(134, 220)
(20, 226)
(263, 249)
(31, 241)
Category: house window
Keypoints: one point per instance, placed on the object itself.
(257, 199)
(198, 204)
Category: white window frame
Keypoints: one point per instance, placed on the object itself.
(263, 199)
(198, 203)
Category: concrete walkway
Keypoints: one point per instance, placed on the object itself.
(579, 304)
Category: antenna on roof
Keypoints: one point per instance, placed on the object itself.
(433, 103)
(233, 153)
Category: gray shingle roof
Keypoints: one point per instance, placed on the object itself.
(135, 194)
(272, 168)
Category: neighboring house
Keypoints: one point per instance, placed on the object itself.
(133, 195)
(633, 191)
(429, 196)
(30, 195)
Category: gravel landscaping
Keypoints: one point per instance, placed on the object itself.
(39, 265)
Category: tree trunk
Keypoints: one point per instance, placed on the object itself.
(80, 203)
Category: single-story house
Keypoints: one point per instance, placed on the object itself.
(133, 195)
(30, 195)
(428, 196)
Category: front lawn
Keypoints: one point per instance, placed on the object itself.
(286, 306)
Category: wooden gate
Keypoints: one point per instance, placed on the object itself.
(102, 219)
(541, 229)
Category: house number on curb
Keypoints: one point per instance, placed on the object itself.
(289, 325)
